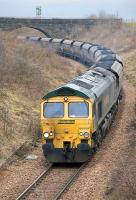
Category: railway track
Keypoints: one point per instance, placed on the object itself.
(52, 183)
(24, 194)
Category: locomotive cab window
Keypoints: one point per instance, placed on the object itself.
(53, 110)
(78, 109)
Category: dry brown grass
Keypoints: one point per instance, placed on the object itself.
(27, 72)
(117, 37)
(130, 65)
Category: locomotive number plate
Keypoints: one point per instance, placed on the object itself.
(66, 122)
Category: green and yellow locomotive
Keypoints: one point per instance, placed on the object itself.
(76, 116)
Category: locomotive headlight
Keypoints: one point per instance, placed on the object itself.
(46, 135)
(86, 135)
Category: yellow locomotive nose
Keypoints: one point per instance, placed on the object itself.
(69, 121)
(62, 131)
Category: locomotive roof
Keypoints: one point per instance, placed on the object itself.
(89, 85)
(68, 90)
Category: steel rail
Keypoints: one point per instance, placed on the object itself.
(35, 182)
(69, 181)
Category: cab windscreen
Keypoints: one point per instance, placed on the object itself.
(78, 109)
(53, 110)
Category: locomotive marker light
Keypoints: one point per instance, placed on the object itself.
(81, 134)
(84, 134)
(51, 134)
(65, 98)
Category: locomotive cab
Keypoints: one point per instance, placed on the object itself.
(67, 127)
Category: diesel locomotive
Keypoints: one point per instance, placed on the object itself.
(76, 116)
